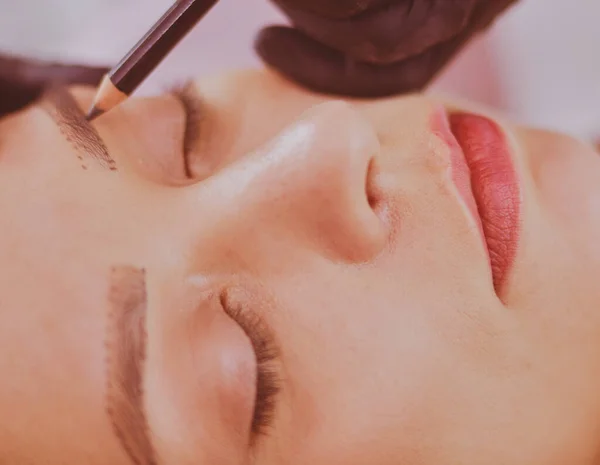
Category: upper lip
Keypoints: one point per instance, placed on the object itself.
(494, 189)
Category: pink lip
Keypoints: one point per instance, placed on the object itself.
(486, 179)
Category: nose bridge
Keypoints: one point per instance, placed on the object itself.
(313, 182)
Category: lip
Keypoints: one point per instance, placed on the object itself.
(486, 179)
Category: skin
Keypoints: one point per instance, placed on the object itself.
(338, 224)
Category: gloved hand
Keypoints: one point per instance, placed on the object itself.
(372, 48)
(22, 81)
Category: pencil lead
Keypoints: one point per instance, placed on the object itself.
(94, 113)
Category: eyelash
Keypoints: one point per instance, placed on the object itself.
(268, 382)
(193, 108)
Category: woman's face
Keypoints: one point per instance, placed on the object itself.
(250, 272)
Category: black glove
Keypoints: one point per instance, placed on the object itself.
(372, 48)
(22, 81)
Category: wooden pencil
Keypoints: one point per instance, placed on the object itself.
(147, 54)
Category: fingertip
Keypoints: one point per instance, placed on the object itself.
(299, 58)
(276, 43)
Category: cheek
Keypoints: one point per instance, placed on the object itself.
(570, 193)
(373, 361)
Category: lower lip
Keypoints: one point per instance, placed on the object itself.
(486, 178)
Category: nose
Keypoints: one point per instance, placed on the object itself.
(312, 183)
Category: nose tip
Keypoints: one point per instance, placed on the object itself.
(328, 181)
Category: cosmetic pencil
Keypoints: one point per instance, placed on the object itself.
(119, 83)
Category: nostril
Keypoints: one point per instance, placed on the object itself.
(381, 204)
(326, 174)
(374, 195)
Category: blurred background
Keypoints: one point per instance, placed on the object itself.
(540, 63)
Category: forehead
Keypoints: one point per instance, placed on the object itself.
(55, 217)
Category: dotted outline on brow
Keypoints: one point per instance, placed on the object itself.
(128, 300)
(66, 112)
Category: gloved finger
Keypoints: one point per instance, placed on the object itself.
(390, 34)
(22, 80)
(323, 69)
(334, 8)
(486, 11)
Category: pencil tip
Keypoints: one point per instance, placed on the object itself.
(94, 113)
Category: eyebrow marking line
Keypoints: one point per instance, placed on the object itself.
(126, 355)
(72, 123)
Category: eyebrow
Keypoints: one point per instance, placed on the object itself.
(126, 355)
(70, 119)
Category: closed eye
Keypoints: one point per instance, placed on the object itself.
(194, 108)
(266, 351)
